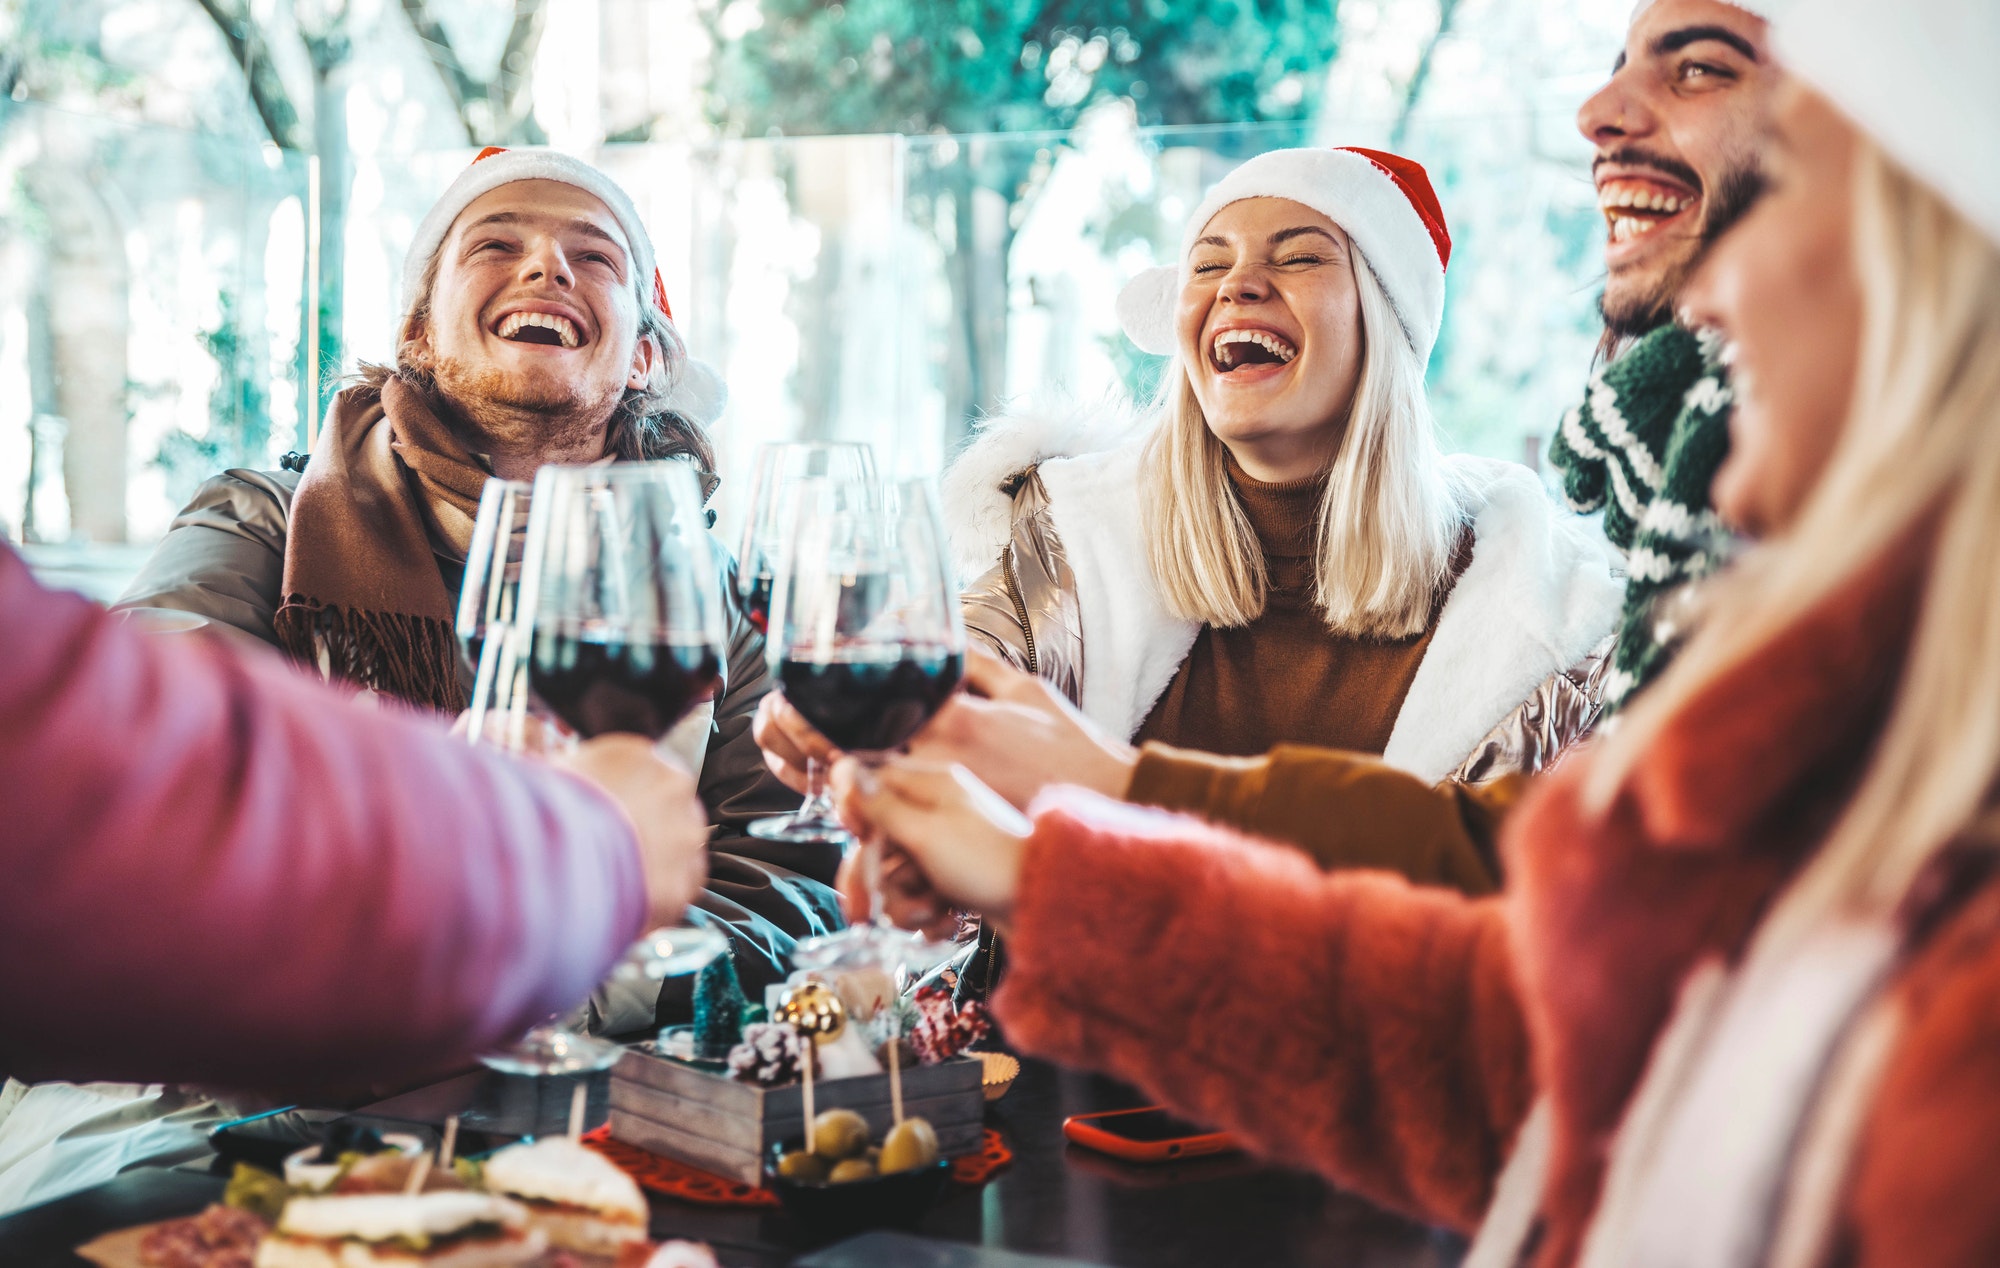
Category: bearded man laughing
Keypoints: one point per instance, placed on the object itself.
(535, 331)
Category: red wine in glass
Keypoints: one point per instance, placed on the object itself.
(599, 680)
(877, 699)
(773, 493)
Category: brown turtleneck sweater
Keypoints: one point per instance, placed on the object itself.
(1285, 678)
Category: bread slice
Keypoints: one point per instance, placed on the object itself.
(466, 1230)
(573, 1193)
(513, 1248)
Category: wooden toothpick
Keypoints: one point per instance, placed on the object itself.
(896, 1078)
(577, 1096)
(806, 1071)
(419, 1173)
(449, 1148)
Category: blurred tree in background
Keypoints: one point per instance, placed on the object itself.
(800, 67)
(491, 104)
(239, 413)
(804, 68)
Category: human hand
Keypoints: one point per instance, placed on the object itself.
(1018, 735)
(658, 796)
(944, 840)
(788, 741)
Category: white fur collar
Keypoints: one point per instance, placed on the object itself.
(1538, 595)
(980, 515)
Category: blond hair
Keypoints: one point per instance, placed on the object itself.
(1920, 452)
(1388, 523)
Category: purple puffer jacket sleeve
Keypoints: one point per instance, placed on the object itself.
(214, 871)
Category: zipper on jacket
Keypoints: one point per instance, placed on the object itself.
(1020, 606)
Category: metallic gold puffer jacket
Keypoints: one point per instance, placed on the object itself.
(1025, 608)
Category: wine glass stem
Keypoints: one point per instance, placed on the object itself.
(871, 879)
(819, 796)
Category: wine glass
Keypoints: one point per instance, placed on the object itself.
(866, 643)
(780, 467)
(618, 628)
(486, 603)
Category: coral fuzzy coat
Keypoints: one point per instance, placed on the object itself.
(1393, 1038)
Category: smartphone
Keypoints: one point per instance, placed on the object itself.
(1145, 1135)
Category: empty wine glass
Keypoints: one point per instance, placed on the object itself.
(486, 607)
(867, 644)
(618, 628)
(780, 467)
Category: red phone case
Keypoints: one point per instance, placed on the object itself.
(1082, 1129)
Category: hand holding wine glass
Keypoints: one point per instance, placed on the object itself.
(865, 642)
(1012, 730)
(658, 795)
(948, 841)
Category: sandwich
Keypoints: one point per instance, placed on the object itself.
(381, 1230)
(572, 1193)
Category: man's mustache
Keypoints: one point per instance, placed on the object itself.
(1638, 156)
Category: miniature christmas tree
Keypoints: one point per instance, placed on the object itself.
(718, 1009)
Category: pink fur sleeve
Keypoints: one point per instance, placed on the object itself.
(1351, 1023)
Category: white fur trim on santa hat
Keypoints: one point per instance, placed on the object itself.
(1755, 8)
(1346, 188)
(505, 168)
(1919, 77)
(699, 393)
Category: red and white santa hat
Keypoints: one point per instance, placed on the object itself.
(1383, 201)
(699, 393)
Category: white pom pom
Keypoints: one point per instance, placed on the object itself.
(699, 393)
(1146, 309)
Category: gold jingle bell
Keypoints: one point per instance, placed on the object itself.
(813, 1008)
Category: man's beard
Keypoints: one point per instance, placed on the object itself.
(498, 411)
(1629, 316)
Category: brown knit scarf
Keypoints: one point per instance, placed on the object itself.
(363, 600)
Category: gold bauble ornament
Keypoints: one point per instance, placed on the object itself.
(813, 1008)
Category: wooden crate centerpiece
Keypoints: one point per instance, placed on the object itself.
(709, 1120)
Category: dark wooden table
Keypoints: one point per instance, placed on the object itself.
(1054, 1200)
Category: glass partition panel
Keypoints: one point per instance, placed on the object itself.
(151, 322)
(882, 288)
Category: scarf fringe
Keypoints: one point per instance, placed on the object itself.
(414, 658)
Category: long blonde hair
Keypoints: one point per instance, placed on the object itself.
(1921, 446)
(1388, 524)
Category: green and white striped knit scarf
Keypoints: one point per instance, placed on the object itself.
(1644, 447)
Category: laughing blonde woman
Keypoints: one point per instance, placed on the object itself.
(1280, 554)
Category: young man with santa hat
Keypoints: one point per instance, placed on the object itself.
(535, 330)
